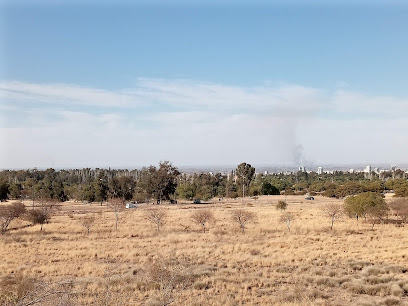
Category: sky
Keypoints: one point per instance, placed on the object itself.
(203, 83)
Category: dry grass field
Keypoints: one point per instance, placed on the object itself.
(266, 265)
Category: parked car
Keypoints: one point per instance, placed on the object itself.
(130, 205)
(197, 201)
(173, 201)
(309, 198)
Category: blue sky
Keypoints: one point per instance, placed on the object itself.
(103, 84)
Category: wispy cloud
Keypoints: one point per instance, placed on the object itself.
(186, 95)
(193, 122)
(59, 94)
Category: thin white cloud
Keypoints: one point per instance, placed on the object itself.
(176, 93)
(65, 94)
(196, 123)
(353, 102)
(186, 95)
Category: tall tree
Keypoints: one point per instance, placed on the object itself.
(101, 188)
(160, 183)
(126, 187)
(245, 173)
(4, 190)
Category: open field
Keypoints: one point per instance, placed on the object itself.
(310, 265)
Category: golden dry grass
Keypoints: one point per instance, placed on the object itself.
(310, 265)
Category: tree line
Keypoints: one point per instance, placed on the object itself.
(165, 182)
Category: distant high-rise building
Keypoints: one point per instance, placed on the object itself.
(302, 169)
(351, 171)
(367, 169)
(393, 168)
(320, 170)
(266, 172)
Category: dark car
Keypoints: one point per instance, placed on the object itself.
(309, 198)
(197, 201)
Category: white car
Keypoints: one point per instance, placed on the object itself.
(130, 205)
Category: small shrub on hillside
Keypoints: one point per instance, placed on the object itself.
(282, 205)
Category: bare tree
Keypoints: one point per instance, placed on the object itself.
(287, 217)
(400, 209)
(202, 217)
(157, 216)
(87, 222)
(377, 213)
(116, 205)
(334, 211)
(8, 213)
(172, 277)
(242, 217)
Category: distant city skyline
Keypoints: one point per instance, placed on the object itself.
(291, 83)
(258, 168)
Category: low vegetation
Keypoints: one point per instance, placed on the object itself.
(146, 263)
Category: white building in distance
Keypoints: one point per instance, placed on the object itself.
(302, 169)
(320, 170)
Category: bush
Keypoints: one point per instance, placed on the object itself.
(39, 216)
(282, 205)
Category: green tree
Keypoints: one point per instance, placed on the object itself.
(358, 205)
(4, 190)
(245, 173)
(402, 190)
(101, 188)
(127, 187)
(29, 188)
(348, 188)
(269, 189)
(231, 189)
(160, 183)
(87, 193)
(58, 192)
(15, 190)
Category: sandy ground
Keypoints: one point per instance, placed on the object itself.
(310, 265)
